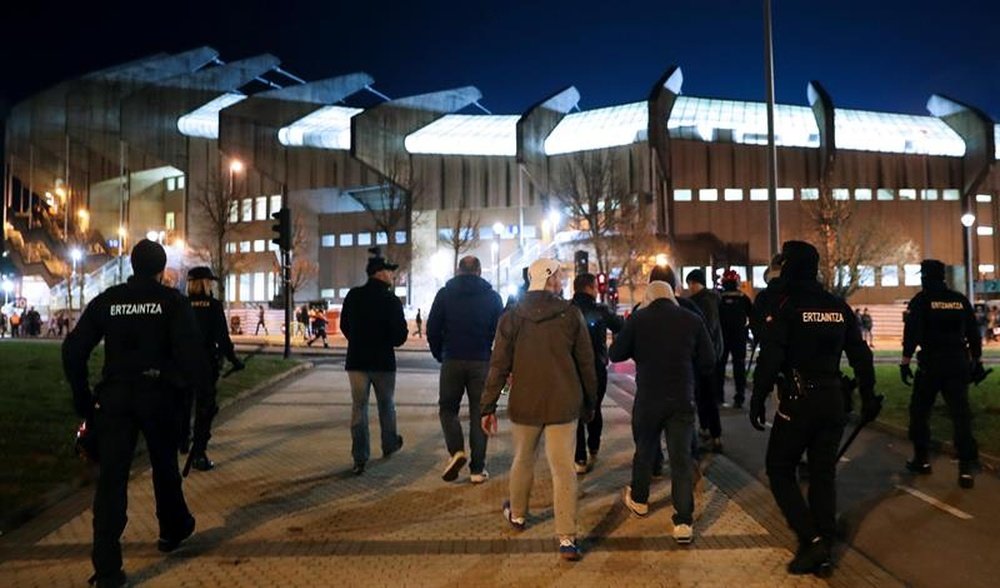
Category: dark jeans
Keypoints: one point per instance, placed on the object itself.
(588, 435)
(647, 424)
(736, 348)
(705, 396)
(460, 378)
(205, 410)
(815, 428)
(385, 390)
(952, 380)
(126, 409)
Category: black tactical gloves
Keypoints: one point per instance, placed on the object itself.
(757, 412)
(905, 373)
(871, 406)
(978, 372)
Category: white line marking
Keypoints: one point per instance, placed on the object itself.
(935, 502)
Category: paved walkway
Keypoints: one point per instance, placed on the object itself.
(283, 509)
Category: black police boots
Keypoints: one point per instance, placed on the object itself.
(966, 477)
(112, 581)
(202, 463)
(172, 542)
(812, 558)
(920, 464)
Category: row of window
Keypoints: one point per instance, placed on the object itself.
(252, 287)
(486, 233)
(361, 239)
(175, 183)
(887, 276)
(257, 246)
(254, 209)
(341, 293)
(786, 194)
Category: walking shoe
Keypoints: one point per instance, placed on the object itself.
(591, 461)
(716, 445)
(569, 550)
(454, 466)
(918, 466)
(965, 476)
(113, 581)
(399, 445)
(683, 534)
(581, 468)
(480, 477)
(516, 523)
(813, 558)
(202, 463)
(172, 542)
(359, 468)
(639, 509)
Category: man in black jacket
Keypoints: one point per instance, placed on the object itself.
(735, 309)
(372, 320)
(460, 331)
(600, 320)
(709, 392)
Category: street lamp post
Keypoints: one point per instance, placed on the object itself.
(968, 220)
(76, 256)
(498, 230)
(8, 287)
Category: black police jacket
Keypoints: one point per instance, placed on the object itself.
(147, 328)
(735, 309)
(372, 320)
(600, 320)
(708, 301)
(943, 324)
(211, 319)
(808, 333)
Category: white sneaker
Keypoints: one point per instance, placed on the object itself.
(683, 534)
(639, 509)
(480, 477)
(454, 466)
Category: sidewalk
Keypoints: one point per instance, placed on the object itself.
(283, 509)
(336, 342)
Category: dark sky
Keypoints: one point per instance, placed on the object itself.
(872, 54)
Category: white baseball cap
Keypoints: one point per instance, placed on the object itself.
(539, 272)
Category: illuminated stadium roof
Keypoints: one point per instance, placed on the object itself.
(327, 128)
(467, 134)
(862, 130)
(203, 122)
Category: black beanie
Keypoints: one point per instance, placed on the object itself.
(800, 261)
(148, 258)
(931, 270)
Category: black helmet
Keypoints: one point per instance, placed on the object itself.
(148, 258)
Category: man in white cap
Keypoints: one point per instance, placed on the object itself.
(543, 341)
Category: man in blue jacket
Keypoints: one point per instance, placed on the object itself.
(460, 330)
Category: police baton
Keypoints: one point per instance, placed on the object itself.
(232, 369)
(187, 464)
(753, 351)
(857, 430)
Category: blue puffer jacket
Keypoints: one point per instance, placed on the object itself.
(463, 319)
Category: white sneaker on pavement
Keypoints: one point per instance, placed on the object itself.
(683, 534)
(480, 477)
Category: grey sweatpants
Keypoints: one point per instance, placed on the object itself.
(560, 445)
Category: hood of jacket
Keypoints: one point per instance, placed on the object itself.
(540, 306)
(467, 284)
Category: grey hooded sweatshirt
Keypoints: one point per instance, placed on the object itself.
(544, 344)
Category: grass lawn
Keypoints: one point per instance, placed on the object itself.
(990, 352)
(984, 399)
(37, 422)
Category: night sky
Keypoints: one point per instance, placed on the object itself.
(872, 54)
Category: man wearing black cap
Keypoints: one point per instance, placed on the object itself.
(148, 331)
(942, 323)
(709, 390)
(372, 320)
(211, 320)
(735, 309)
(801, 354)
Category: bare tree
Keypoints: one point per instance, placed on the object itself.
(220, 213)
(464, 233)
(590, 188)
(304, 270)
(635, 245)
(395, 206)
(846, 243)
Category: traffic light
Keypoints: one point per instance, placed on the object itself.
(602, 283)
(283, 229)
(581, 262)
(613, 293)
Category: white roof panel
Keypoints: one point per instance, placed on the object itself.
(467, 134)
(863, 130)
(734, 121)
(327, 128)
(596, 129)
(203, 122)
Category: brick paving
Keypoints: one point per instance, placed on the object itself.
(282, 508)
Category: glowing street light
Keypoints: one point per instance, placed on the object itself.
(968, 219)
(554, 219)
(236, 166)
(75, 254)
(661, 260)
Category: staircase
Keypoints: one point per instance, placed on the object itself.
(887, 320)
(114, 271)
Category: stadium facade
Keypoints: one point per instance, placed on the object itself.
(135, 149)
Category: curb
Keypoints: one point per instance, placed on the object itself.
(988, 461)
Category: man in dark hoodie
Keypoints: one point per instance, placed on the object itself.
(709, 393)
(801, 352)
(544, 343)
(372, 320)
(735, 309)
(460, 331)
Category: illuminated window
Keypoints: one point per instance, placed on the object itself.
(758, 276)
(911, 274)
(708, 195)
(950, 194)
(231, 247)
(885, 194)
(171, 184)
(758, 194)
(260, 203)
(364, 239)
(247, 215)
(400, 237)
(270, 285)
(382, 238)
(986, 268)
(234, 211)
(979, 197)
(785, 194)
(259, 286)
(328, 293)
(866, 276)
(181, 182)
(400, 291)
(929, 194)
(272, 246)
(682, 195)
(259, 246)
(863, 194)
(328, 241)
(346, 239)
(890, 276)
(984, 231)
(244, 287)
(244, 246)
(841, 194)
(343, 292)
(907, 194)
(231, 288)
(732, 194)
(275, 203)
(170, 222)
(810, 193)
(687, 270)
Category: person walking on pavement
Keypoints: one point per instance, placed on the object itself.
(420, 324)
(670, 347)
(709, 393)
(801, 355)
(302, 322)
(867, 325)
(600, 320)
(735, 309)
(152, 348)
(372, 321)
(544, 342)
(942, 323)
(460, 331)
(260, 321)
(211, 318)
(319, 330)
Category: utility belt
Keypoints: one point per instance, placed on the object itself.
(795, 385)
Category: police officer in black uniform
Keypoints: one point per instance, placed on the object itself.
(151, 348)
(801, 354)
(735, 309)
(215, 335)
(942, 323)
(600, 320)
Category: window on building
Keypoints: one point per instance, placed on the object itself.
(841, 194)
(885, 194)
(247, 215)
(170, 221)
(785, 194)
(843, 277)
(171, 184)
(382, 238)
(400, 237)
(732, 194)
(866, 276)
(270, 285)
(234, 211)
(275, 203)
(244, 246)
(911, 274)
(890, 276)
(272, 246)
(740, 271)
(708, 195)
(231, 288)
(984, 231)
(328, 293)
(231, 247)
(181, 182)
(244, 287)
(929, 194)
(907, 194)
(979, 197)
(758, 194)
(259, 286)
(758, 276)
(328, 241)
(683, 195)
(687, 270)
(346, 239)
(400, 291)
(986, 268)
(810, 193)
(342, 293)
(364, 239)
(260, 204)
(863, 194)
(950, 194)
(258, 246)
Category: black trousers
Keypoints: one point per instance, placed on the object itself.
(588, 435)
(951, 379)
(736, 348)
(127, 408)
(206, 408)
(706, 399)
(812, 426)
